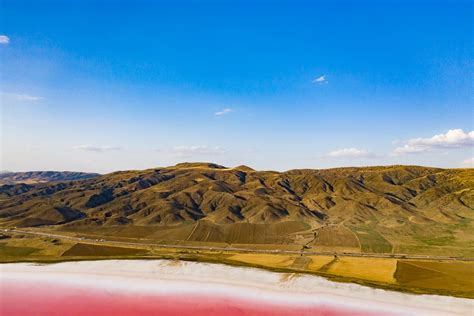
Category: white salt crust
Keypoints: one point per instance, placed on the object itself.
(164, 277)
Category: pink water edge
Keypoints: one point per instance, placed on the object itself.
(37, 298)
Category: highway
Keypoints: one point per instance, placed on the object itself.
(102, 241)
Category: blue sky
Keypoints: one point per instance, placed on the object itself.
(108, 85)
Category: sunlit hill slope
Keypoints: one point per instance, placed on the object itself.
(396, 209)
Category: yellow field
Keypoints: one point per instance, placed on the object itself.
(276, 261)
(373, 269)
(317, 262)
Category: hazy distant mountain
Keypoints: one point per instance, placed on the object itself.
(373, 209)
(8, 177)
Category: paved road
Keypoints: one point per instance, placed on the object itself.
(240, 250)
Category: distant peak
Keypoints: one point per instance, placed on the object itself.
(199, 165)
(244, 168)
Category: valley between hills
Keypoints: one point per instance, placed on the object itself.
(401, 227)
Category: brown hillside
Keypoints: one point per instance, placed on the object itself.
(373, 209)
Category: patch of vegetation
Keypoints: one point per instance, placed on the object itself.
(82, 250)
(11, 251)
(335, 236)
(456, 277)
(436, 241)
(408, 272)
(372, 241)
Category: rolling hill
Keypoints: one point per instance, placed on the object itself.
(394, 209)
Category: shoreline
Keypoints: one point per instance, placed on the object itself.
(232, 263)
(166, 277)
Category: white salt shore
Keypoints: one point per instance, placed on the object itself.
(163, 277)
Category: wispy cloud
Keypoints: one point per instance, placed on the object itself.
(4, 39)
(350, 153)
(454, 138)
(468, 163)
(20, 96)
(27, 97)
(320, 80)
(200, 150)
(97, 149)
(224, 111)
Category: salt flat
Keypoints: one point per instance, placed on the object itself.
(164, 277)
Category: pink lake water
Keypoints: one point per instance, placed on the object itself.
(23, 298)
(162, 287)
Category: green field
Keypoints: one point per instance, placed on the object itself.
(372, 241)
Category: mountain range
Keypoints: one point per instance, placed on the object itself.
(391, 209)
(8, 177)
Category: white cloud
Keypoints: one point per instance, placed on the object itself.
(350, 153)
(320, 79)
(468, 163)
(409, 149)
(97, 149)
(224, 111)
(4, 39)
(454, 138)
(204, 150)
